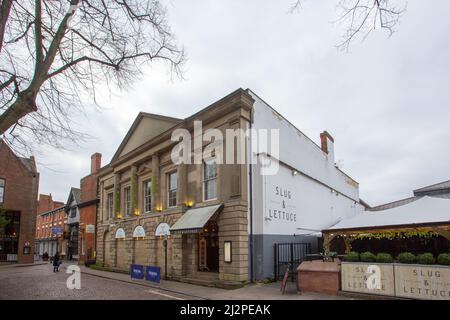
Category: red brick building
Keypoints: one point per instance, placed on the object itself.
(46, 203)
(51, 222)
(88, 211)
(19, 183)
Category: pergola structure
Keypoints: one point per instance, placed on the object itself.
(425, 215)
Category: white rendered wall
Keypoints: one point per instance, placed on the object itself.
(309, 203)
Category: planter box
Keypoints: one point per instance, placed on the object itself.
(318, 276)
(419, 281)
(414, 281)
(354, 277)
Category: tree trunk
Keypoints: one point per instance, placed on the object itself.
(25, 104)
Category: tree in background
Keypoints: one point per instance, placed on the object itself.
(3, 221)
(54, 52)
(360, 17)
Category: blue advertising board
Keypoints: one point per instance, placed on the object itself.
(137, 271)
(57, 230)
(153, 274)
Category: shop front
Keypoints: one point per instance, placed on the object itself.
(9, 237)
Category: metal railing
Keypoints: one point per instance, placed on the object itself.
(289, 253)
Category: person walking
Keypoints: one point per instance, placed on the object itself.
(56, 262)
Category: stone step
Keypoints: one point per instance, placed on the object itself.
(204, 275)
(200, 282)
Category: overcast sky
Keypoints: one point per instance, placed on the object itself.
(386, 102)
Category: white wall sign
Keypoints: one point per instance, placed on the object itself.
(294, 204)
(90, 228)
(120, 233)
(163, 229)
(139, 232)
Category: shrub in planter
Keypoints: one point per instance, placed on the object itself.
(407, 257)
(368, 257)
(425, 258)
(444, 258)
(384, 258)
(352, 257)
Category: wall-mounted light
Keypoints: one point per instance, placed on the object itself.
(227, 252)
(159, 208)
(189, 203)
(294, 172)
(119, 215)
(137, 212)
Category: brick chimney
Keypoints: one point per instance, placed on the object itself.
(327, 144)
(45, 203)
(96, 162)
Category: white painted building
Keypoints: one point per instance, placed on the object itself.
(308, 194)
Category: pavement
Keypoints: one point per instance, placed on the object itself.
(257, 291)
(38, 281)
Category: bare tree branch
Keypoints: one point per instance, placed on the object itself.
(54, 52)
(360, 17)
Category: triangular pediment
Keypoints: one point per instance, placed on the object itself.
(146, 127)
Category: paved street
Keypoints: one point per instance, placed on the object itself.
(39, 282)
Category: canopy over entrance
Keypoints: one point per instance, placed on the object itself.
(426, 214)
(194, 220)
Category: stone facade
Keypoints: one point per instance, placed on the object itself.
(122, 200)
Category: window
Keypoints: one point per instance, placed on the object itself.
(209, 180)
(147, 196)
(2, 190)
(110, 205)
(172, 190)
(73, 212)
(127, 201)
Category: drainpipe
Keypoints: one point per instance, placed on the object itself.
(252, 276)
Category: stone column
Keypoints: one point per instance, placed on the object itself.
(156, 198)
(177, 255)
(116, 194)
(134, 190)
(182, 184)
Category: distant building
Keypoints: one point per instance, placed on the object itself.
(51, 228)
(437, 190)
(46, 203)
(19, 183)
(73, 222)
(88, 211)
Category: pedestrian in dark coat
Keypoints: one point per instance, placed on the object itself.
(56, 262)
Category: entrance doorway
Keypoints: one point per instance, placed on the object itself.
(208, 248)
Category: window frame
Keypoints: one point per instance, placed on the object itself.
(147, 186)
(205, 181)
(127, 202)
(169, 196)
(72, 209)
(110, 206)
(4, 190)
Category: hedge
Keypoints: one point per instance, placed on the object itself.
(368, 257)
(407, 257)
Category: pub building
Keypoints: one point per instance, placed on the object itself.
(223, 218)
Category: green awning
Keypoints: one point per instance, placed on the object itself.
(193, 220)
